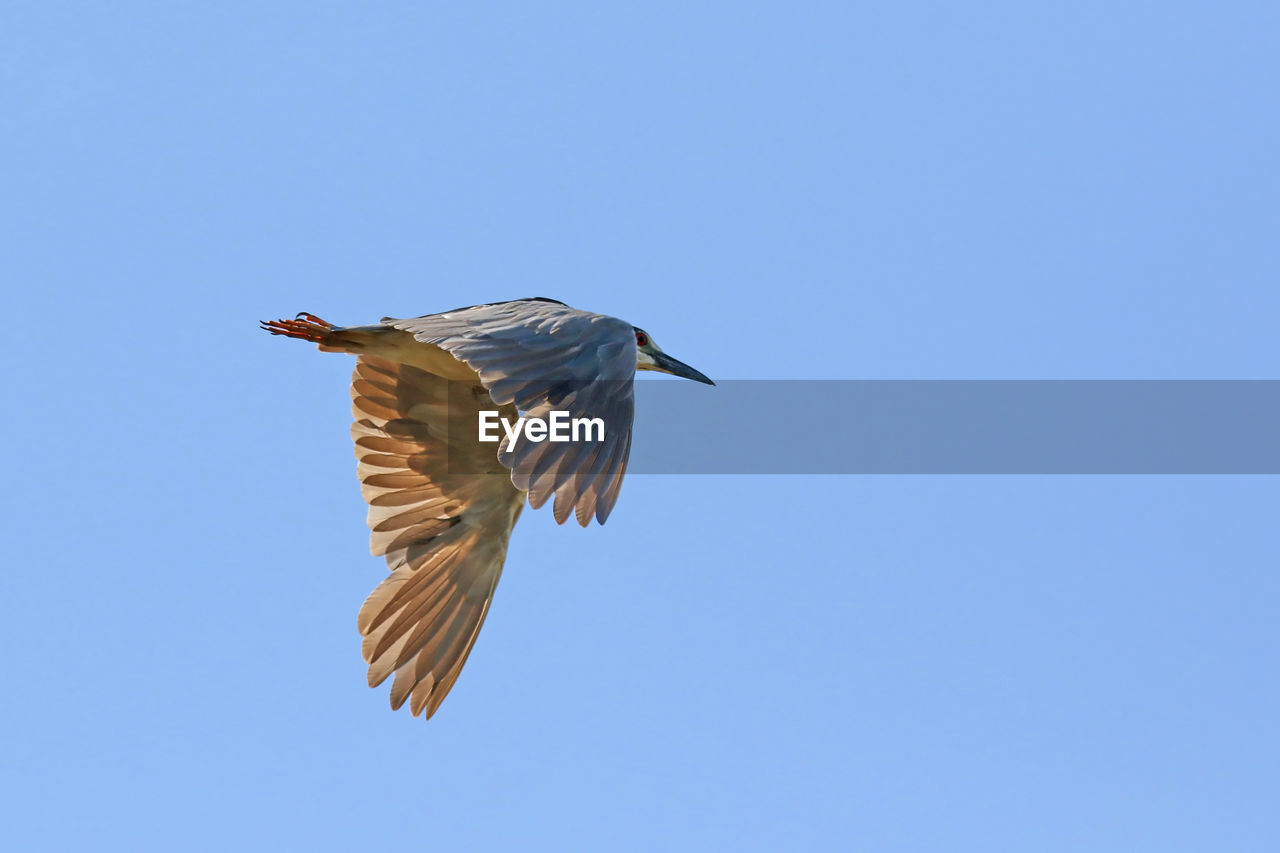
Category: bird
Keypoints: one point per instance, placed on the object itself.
(443, 502)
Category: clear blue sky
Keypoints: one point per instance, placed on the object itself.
(798, 190)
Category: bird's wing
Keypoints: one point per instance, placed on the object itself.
(441, 511)
(540, 356)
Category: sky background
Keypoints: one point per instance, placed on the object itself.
(775, 191)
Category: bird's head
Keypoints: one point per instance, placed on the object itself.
(650, 357)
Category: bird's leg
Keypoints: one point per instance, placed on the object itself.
(306, 327)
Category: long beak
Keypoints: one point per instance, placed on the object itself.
(667, 364)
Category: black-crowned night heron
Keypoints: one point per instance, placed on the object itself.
(442, 501)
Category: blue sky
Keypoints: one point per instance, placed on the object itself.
(774, 191)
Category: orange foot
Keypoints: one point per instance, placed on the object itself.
(306, 327)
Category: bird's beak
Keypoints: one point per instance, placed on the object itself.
(667, 364)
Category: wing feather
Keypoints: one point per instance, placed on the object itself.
(542, 356)
(441, 509)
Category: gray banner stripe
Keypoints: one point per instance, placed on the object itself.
(958, 427)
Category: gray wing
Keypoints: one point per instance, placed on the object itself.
(540, 356)
(441, 510)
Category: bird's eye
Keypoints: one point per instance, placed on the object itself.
(642, 340)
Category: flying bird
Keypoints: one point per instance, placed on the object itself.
(442, 501)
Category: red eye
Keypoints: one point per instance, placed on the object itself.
(642, 340)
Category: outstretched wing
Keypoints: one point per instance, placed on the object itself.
(441, 509)
(540, 356)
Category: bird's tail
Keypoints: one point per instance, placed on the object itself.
(328, 337)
